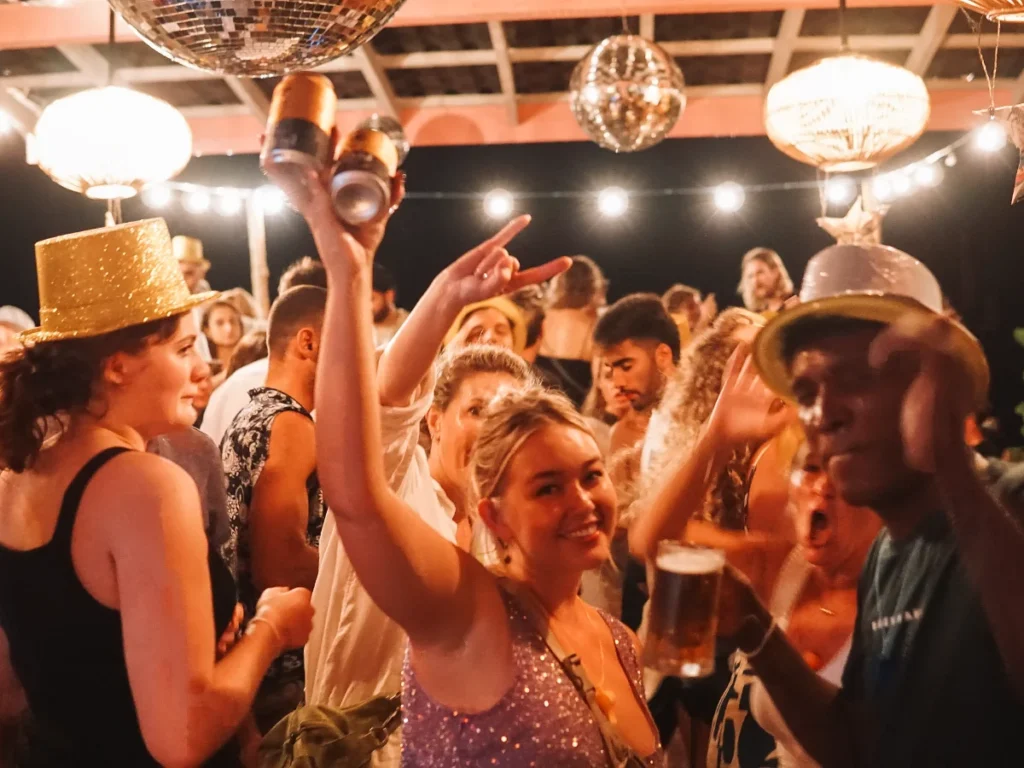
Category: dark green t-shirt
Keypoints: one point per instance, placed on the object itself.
(924, 665)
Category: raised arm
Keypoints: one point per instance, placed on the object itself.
(407, 359)
(423, 582)
(990, 539)
(746, 412)
(187, 704)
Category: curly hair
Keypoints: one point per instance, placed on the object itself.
(689, 399)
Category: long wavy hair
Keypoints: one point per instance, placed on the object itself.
(689, 399)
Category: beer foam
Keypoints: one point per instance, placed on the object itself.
(691, 561)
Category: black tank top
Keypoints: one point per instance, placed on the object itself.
(68, 653)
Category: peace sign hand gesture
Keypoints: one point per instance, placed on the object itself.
(489, 270)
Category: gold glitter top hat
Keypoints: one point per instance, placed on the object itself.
(103, 280)
(189, 250)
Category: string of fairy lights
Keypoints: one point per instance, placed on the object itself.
(613, 201)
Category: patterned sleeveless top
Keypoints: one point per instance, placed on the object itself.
(244, 450)
(541, 721)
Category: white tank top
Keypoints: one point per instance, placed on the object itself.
(788, 587)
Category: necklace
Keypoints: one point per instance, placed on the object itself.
(605, 698)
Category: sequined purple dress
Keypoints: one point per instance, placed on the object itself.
(542, 722)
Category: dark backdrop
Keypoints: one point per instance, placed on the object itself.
(965, 230)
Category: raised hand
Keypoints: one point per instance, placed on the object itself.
(746, 410)
(336, 242)
(489, 270)
(940, 397)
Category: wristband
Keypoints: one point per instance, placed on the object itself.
(262, 620)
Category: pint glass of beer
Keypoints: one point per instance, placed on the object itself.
(683, 617)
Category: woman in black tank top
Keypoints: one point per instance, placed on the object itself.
(111, 599)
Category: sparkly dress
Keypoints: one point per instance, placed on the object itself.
(541, 721)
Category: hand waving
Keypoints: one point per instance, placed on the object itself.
(939, 398)
(746, 411)
(488, 270)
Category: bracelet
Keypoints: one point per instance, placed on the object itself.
(764, 640)
(262, 620)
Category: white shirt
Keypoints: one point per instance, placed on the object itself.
(355, 651)
(231, 397)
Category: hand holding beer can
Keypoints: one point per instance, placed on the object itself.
(683, 621)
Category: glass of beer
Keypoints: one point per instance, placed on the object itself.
(683, 620)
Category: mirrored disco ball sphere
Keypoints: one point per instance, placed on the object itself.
(627, 93)
(255, 38)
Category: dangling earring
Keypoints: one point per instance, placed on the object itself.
(507, 558)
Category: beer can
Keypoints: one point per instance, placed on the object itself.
(361, 187)
(300, 123)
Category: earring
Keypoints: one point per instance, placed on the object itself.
(507, 559)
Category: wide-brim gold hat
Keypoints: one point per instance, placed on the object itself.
(189, 250)
(874, 283)
(103, 280)
(507, 307)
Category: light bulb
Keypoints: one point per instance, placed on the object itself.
(613, 201)
(228, 202)
(197, 201)
(901, 184)
(729, 197)
(271, 199)
(840, 189)
(498, 203)
(928, 175)
(883, 188)
(158, 196)
(991, 137)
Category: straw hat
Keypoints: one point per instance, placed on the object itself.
(189, 250)
(874, 283)
(504, 305)
(95, 282)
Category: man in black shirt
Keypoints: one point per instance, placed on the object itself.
(884, 385)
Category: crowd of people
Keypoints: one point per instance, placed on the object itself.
(357, 535)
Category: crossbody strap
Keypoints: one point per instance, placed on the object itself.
(620, 754)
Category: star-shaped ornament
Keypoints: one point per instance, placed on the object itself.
(857, 227)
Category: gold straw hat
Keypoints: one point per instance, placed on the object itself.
(875, 283)
(504, 305)
(189, 250)
(103, 280)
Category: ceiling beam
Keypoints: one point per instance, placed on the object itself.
(483, 119)
(647, 26)
(377, 79)
(930, 40)
(789, 31)
(88, 61)
(19, 110)
(85, 22)
(505, 75)
(247, 92)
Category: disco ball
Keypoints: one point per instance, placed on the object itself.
(627, 93)
(255, 38)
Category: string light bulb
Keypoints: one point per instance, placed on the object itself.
(991, 137)
(228, 202)
(270, 199)
(901, 184)
(158, 196)
(5, 123)
(882, 188)
(928, 175)
(729, 197)
(198, 201)
(498, 203)
(613, 201)
(840, 190)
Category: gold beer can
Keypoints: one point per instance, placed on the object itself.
(300, 123)
(361, 187)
